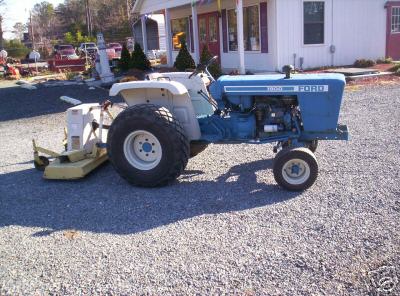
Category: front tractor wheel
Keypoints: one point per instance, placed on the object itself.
(147, 146)
(295, 169)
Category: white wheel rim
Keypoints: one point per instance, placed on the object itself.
(296, 171)
(142, 150)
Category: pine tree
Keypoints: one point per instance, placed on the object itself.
(214, 68)
(184, 60)
(125, 62)
(139, 59)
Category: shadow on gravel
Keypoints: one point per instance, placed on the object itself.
(18, 103)
(104, 203)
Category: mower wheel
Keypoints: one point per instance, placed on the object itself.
(197, 148)
(41, 166)
(147, 146)
(295, 169)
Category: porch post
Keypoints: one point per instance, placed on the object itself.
(195, 34)
(168, 37)
(240, 36)
(144, 33)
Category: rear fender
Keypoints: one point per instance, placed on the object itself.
(169, 94)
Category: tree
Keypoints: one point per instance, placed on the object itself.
(125, 62)
(214, 68)
(69, 38)
(184, 59)
(77, 38)
(19, 29)
(43, 16)
(16, 49)
(49, 22)
(139, 59)
(109, 17)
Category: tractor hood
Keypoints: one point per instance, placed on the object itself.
(276, 84)
(319, 95)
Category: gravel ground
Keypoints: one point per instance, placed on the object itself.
(225, 227)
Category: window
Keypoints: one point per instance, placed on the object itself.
(251, 29)
(180, 30)
(395, 19)
(202, 30)
(314, 15)
(212, 28)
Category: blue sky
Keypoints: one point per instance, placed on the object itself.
(18, 11)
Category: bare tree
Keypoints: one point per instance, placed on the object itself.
(43, 16)
(19, 29)
(88, 18)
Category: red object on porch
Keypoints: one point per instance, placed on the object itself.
(69, 65)
(209, 32)
(392, 38)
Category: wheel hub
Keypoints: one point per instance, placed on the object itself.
(142, 150)
(147, 147)
(296, 171)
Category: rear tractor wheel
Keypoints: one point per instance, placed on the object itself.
(295, 169)
(147, 146)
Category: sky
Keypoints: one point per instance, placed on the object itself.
(18, 11)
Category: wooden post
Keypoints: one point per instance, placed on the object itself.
(240, 35)
(195, 35)
(144, 33)
(168, 37)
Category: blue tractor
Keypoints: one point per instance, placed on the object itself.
(174, 116)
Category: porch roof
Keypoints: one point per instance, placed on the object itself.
(150, 6)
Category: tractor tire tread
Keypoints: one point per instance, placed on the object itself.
(163, 119)
(299, 152)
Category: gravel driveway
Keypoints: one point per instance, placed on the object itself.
(224, 227)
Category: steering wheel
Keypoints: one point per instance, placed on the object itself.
(203, 67)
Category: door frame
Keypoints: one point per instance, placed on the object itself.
(389, 35)
(218, 35)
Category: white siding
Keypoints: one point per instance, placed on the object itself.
(357, 28)
(152, 6)
(159, 18)
(151, 32)
(253, 61)
(229, 61)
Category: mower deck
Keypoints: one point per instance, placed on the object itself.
(57, 170)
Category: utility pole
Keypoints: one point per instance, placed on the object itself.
(1, 32)
(88, 18)
(1, 27)
(32, 31)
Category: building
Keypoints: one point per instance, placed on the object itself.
(154, 32)
(264, 35)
